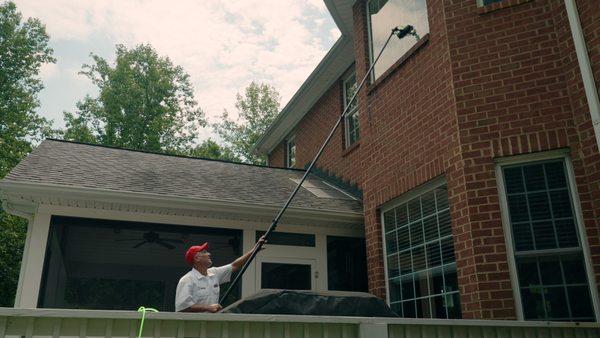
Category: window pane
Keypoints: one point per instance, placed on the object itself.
(555, 174)
(285, 276)
(514, 180)
(533, 304)
(528, 272)
(544, 235)
(539, 206)
(534, 177)
(574, 270)
(385, 15)
(556, 301)
(523, 236)
(517, 206)
(288, 238)
(561, 203)
(550, 271)
(566, 233)
(581, 303)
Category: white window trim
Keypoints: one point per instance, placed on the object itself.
(287, 151)
(512, 265)
(350, 112)
(407, 196)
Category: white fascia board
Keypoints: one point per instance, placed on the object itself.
(8, 188)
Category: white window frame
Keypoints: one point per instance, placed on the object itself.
(288, 161)
(350, 113)
(562, 154)
(409, 195)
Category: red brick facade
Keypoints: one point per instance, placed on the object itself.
(486, 83)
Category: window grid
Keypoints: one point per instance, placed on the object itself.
(543, 299)
(351, 122)
(401, 222)
(291, 152)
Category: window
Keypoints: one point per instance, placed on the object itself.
(288, 238)
(383, 16)
(548, 254)
(285, 276)
(290, 152)
(420, 266)
(487, 2)
(351, 119)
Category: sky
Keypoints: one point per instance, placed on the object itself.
(223, 45)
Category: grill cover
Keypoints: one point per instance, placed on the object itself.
(291, 302)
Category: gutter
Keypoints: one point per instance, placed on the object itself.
(589, 83)
(158, 200)
(6, 206)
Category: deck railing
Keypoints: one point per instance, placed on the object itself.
(91, 323)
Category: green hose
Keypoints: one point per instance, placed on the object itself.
(143, 310)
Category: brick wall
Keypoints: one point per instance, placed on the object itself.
(486, 84)
(277, 156)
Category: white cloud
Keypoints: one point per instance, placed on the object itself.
(48, 71)
(223, 45)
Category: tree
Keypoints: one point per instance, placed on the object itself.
(145, 102)
(23, 50)
(257, 109)
(211, 149)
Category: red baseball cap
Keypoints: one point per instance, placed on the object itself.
(193, 250)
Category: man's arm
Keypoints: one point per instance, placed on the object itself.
(203, 308)
(238, 263)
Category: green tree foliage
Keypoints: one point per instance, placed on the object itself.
(257, 109)
(23, 50)
(211, 149)
(145, 102)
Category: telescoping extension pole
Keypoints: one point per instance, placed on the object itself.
(400, 33)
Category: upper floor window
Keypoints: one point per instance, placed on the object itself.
(383, 16)
(351, 124)
(546, 245)
(290, 152)
(487, 2)
(421, 266)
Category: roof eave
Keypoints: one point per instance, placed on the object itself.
(8, 188)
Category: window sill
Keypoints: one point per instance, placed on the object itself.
(500, 5)
(351, 148)
(398, 64)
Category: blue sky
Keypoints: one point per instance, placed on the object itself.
(223, 45)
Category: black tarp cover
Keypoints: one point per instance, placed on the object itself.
(290, 302)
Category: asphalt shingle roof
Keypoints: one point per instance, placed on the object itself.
(91, 166)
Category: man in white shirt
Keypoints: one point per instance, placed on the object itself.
(198, 290)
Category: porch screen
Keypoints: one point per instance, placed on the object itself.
(115, 265)
(421, 268)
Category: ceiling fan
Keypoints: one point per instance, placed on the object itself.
(153, 237)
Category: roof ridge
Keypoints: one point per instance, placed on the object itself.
(171, 155)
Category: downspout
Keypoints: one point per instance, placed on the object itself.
(589, 84)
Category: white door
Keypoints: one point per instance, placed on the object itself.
(286, 273)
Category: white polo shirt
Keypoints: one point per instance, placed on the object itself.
(196, 288)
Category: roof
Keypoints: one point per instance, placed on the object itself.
(335, 63)
(102, 168)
